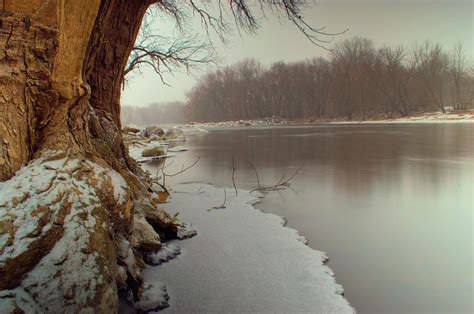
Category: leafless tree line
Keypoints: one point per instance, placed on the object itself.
(358, 80)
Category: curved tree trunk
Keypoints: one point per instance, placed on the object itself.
(77, 219)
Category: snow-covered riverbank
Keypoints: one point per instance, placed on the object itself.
(427, 117)
(242, 260)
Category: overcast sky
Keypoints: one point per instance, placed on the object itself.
(384, 21)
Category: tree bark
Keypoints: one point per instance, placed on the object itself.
(61, 67)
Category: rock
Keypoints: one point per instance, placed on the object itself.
(186, 231)
(154, 131)
(174, 134)
(121, 277)
(147, 239)
(153, 152)
(129, 129)
(155, 138)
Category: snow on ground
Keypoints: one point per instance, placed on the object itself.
(429, 117)
(242, 260)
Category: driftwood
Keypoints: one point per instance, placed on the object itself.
(282, 183)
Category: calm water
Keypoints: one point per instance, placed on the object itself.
(392, 205)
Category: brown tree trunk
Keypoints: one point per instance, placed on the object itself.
(80, 205)
(111, 41)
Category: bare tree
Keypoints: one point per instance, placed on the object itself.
(322, 81)
(350, 60)
(392, 77)
(458, 67)
(432, 64)
(358, 81)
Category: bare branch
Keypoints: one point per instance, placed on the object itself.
(166, 54)
(281, 184)
(256, 173)
(223, 204)
(183, 169)
(233, 174)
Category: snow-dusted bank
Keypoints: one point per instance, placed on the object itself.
(242, 260)
(426, 117)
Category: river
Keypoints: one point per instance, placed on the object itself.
(392, 204)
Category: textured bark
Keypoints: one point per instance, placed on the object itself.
(28, 51)
(112, 38)
(111, 42)
(61, 67)
(43, 94)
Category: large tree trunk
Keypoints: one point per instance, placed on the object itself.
(110, 44)
(77, 219)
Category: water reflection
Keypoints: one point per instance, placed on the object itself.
(391, 204)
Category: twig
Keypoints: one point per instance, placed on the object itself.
(281, 184)
(162, 186)
(163, 172)
(223, 204)
(163, 167)
(256, 173)
(183, 169)
(233, 174)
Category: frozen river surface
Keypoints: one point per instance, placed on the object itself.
(392, 205)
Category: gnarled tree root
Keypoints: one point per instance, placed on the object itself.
(71, 234)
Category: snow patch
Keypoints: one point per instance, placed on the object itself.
(243, 260)
(186, 231)
(119, 185)
(154, 297)
(166, 253)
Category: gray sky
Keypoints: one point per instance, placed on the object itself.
(385, 21)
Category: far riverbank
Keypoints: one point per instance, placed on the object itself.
(425, 117)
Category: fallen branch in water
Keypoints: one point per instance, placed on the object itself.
(283, 183)
(164, 175)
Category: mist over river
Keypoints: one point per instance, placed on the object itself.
(392, 205)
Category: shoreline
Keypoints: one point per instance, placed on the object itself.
(242, 258)
(422, 118)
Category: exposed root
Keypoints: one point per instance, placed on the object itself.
(71, 233)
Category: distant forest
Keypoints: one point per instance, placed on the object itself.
(357, 81)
